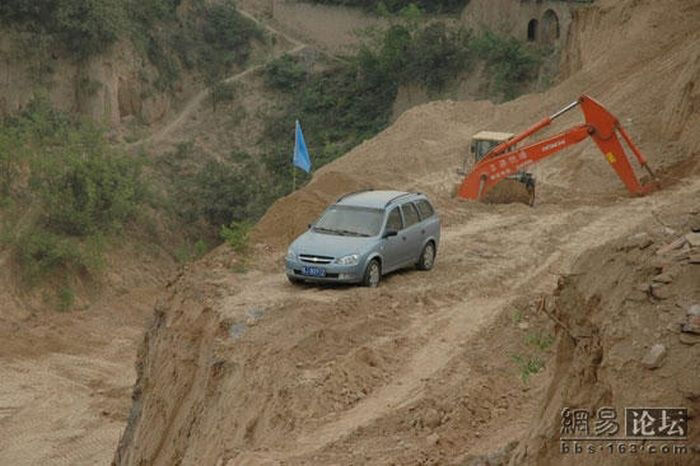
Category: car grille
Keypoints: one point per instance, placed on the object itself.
(311, 259)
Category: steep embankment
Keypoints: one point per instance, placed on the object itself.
(246, 369)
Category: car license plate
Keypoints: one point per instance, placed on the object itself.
(313, 271)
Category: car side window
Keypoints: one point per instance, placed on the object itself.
(410, 214)
(425, 209)
(394, 221)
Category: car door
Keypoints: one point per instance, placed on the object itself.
(411, 236)
(429, 220)
(392, 247)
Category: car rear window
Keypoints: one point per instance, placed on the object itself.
(425, 209)
(410, 215)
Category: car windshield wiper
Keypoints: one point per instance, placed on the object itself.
(330, 230)
(355, 233)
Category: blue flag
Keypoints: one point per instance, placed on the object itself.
(301, 153)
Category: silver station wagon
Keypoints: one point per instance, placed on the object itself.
(365, 235)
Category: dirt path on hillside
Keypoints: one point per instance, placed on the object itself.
(194, 103)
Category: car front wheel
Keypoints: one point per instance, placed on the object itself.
(427, 257)
(294, 280)
(373, 274)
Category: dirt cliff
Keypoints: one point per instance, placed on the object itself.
(243, 368)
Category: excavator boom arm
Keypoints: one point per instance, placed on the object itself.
(600, 125)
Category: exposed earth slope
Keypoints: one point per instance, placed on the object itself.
(244, 368)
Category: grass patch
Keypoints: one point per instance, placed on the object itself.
(517, 316)
(540, 340)
(236, 235)
(66, 298)
(528, 365)
(191, 251)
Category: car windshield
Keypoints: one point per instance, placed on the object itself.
(350, 221)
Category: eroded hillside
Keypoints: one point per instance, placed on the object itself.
(243, 368)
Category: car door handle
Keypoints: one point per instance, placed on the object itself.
(403, 238)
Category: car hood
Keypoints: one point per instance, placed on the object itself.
(321, 244)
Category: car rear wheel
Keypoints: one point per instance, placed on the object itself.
(373, 274)
(427, 257)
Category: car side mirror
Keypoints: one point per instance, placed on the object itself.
(390, 233)
(310, 225)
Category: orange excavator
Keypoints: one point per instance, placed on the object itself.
(504, 160)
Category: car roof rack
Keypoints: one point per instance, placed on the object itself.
(399, 197)
(353, 193)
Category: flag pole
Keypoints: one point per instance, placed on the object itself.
(294, 172)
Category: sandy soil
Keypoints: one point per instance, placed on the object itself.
(421, 370)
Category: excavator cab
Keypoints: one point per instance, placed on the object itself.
(518, 187)
(484, 141)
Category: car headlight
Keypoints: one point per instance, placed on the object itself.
(290, 255)
(352, 259)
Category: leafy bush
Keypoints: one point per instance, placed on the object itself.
(79, 188)
(83, 28)
(284, 73)
(227, 36)
(528, 365)
(84, 186)
(236, 235)
(395, 6)
(41, 252)
(221, 191)
(509, 61)
(190, 252)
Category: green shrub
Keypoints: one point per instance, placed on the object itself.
(284, 73)
(226, 35)
(79, 189)
(42, 252)
(189, 252)
(540, 340)
(528, 366)
(236, 235)
(66, 298)
(220, 191)
(83, 28)
(396, 6)
(510, 63)
(85, 186)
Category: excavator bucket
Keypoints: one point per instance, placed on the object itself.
(510, 191)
